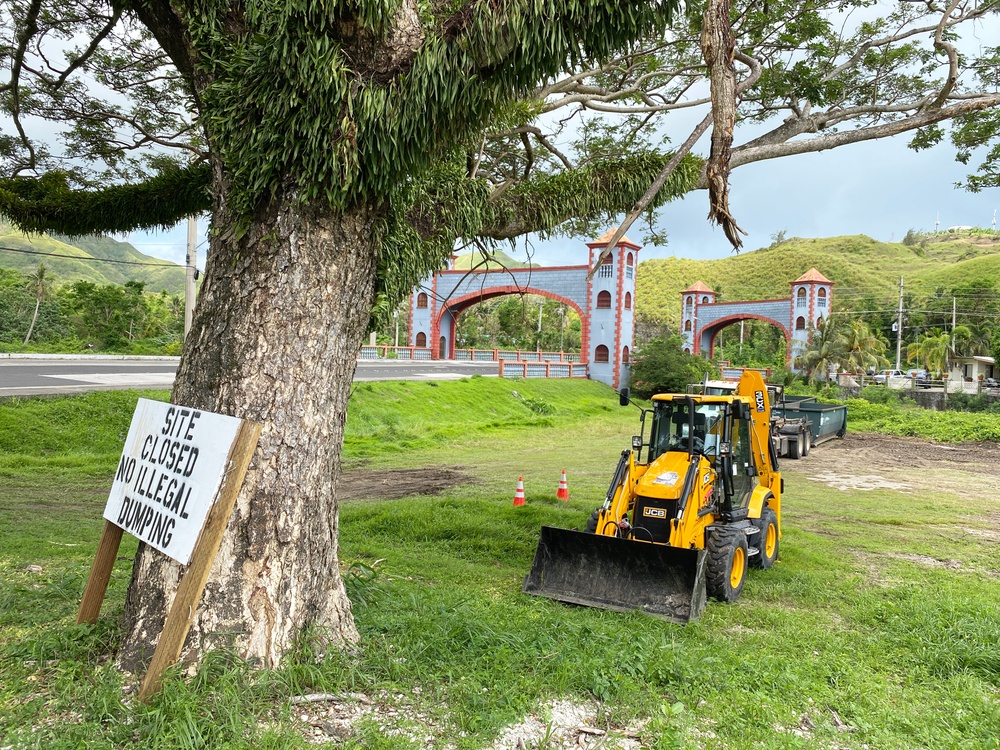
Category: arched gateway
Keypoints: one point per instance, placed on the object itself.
(605, 304)
(796, 316)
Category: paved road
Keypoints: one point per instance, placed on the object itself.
(41, 375)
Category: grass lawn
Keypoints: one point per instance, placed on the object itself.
(878, 628)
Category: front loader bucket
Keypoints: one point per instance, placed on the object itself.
(618, 574)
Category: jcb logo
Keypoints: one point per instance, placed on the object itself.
(654, 513)
(759, 398)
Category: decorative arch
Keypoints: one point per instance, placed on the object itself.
(452, 290)
(712, 329)
(457, 306)
(809, 299)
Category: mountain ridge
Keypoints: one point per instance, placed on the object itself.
(97, 259)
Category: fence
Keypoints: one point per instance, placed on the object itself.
(395, 352)
(467, 355)
(898, 383)
(729, 372)
(542, 369)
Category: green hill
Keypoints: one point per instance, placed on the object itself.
(498, 260)
(24, 252)
(856, 264)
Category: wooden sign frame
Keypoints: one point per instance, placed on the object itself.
(192, 584)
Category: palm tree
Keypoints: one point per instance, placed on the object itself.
(826, 349)
(931, 350)
(41, 286)
(863, 349)
(961, 336)
(979, 342)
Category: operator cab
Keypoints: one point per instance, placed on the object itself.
(672, 427)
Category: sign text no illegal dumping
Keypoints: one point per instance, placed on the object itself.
(169, 474)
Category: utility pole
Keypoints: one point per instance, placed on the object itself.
(953, 321)
(899, 324)
(189, 275)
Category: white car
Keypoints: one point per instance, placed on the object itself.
(884, 375)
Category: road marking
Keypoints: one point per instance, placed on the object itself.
(116, 379)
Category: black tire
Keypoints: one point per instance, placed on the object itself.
(795, 447)
(727, 563)
(592, 521)
(767, 540)
(807, 443)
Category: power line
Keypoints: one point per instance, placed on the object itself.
(91, 258)
(909, 311)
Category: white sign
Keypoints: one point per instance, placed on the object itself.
(169, 475)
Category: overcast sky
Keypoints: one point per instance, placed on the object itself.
(878, 188)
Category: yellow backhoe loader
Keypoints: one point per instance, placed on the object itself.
(685, 523)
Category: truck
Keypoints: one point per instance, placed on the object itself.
(797, 422)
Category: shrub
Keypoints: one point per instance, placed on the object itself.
(965, 402)
(539, 406)
(875, 394)
(661, 366)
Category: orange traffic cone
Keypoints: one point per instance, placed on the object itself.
(563, 492)
(519, 493)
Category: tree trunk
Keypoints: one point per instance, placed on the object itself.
(279, 322)
(34, 318)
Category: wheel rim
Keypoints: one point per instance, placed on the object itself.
(770, 541)
(739, 561)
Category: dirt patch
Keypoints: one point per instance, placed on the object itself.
(884, 452)
(366, 484)
(563, 724)
(904, 464)
(863, 482)
(926, 560)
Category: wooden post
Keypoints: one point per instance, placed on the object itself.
(185, 604)
(100, 574)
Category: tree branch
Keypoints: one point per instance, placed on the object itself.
(748, 154)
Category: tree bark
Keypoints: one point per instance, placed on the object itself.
(278, 325)
(34, 318)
